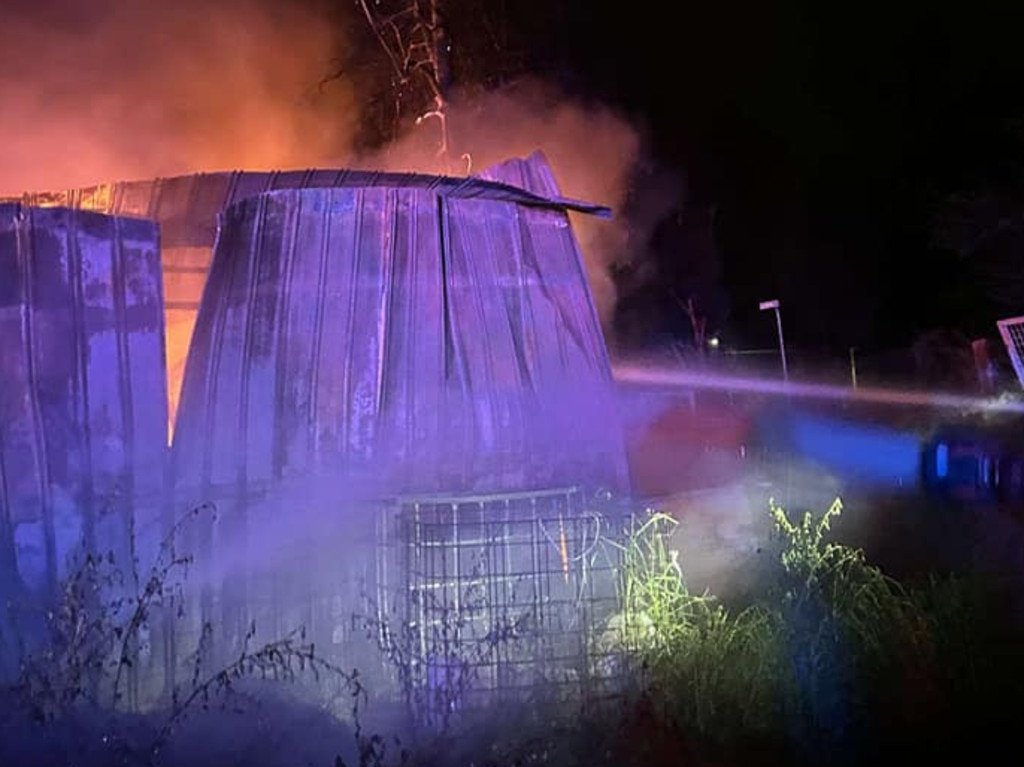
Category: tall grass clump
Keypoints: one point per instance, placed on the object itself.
(884, 669)
(834, 660)
(710, 673)
(856, 642)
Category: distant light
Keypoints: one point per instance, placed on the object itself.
(941, 460)
(713, 342)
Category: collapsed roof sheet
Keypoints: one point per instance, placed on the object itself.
(187, 206)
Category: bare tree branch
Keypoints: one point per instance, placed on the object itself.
(414, 40)
(376, 27)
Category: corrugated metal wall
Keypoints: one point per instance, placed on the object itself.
(83, 413)
(187, 208)
(416, 343)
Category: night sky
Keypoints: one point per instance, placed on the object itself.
(860, 162)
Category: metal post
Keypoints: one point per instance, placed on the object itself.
(782, 345)
(853, 366)
(774, 304)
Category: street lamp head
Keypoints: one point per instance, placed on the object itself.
(766, 305)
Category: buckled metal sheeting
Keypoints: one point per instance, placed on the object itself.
(403, 340)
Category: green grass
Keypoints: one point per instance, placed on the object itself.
(835, 660)
(708, 671)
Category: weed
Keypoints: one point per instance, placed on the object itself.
(835, 661)
(98, 631)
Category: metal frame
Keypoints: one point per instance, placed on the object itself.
(1012, 331)
(495, 598)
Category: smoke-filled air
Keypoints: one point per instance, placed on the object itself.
(110, 91)
(592, 149)
(340, 424)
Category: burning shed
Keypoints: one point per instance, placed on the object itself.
(361, 345)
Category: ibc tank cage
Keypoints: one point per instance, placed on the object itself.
(489, 601)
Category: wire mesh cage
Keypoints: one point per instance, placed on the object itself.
(498, 598)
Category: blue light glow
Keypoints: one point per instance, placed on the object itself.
(941, 460)
(853, 451)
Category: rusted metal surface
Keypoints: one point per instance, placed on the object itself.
(83, 411)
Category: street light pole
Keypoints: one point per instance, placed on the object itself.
(774, 304)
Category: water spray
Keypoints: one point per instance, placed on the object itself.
(653, 375)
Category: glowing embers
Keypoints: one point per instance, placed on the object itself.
(492, 599)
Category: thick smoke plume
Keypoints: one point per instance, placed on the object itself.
(592, 149)
(110, 90)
